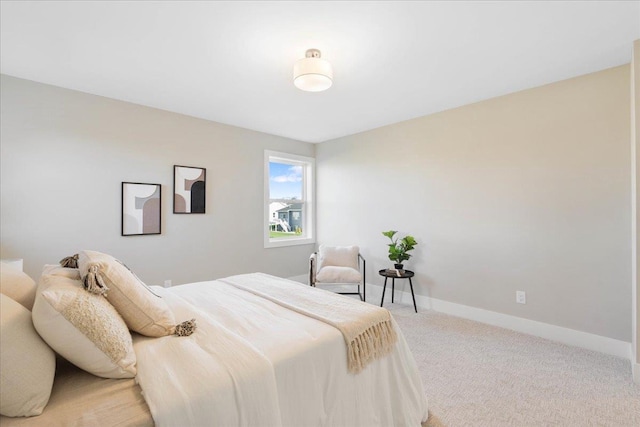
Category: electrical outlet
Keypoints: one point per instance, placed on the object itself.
(521, 297)
(167, 283)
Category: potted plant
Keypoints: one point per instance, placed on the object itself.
(399, 248)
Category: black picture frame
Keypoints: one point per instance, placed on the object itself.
(189, 189)
(141, 209)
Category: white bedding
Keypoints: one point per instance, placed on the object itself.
(253, 362)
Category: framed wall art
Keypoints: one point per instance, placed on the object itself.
(189, 189)
(141, 208)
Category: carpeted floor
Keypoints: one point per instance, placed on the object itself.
(480, 375)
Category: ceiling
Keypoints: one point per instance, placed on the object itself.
(231, 62)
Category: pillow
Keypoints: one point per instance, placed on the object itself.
(58, 270)
(17, 285)
(83, 328)
(338, 256)
(27, 364)
(142, 309)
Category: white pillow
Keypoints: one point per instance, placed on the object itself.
(142, 309)
(27, 364)
(17, 285)
(83, 328)
(338, 256)
(58, 270)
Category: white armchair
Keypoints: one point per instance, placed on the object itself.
(338, 265)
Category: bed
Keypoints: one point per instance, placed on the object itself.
(253, 360)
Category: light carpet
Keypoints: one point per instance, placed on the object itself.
(480, 375)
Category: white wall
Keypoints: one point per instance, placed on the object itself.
(529, 191)
(635, 221)
(64, 155)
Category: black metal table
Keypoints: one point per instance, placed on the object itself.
(394, 274)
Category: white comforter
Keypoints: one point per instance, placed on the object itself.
(252, 362)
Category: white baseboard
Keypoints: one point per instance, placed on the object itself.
(532, 327)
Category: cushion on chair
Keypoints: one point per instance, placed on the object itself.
(338, 256)
(331, 274)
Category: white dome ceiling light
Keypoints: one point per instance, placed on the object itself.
(312, 73)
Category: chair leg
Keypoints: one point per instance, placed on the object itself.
(364, 281)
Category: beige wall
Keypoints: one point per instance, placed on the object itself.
(635, 145)
(529, 191)
(64, 155)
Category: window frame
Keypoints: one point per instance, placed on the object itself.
(308, 199)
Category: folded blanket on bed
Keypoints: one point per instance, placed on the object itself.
(367, 329)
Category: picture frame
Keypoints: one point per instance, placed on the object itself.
(141, 209)
(189, 189)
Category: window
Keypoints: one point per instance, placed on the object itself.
(288, 199)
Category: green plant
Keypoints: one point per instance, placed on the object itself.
(399, 248)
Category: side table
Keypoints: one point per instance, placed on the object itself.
(397, 274)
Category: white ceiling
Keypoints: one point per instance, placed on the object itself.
(231, 62)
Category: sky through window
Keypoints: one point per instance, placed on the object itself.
(285, 181)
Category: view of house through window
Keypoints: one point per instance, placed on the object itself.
(288, 191)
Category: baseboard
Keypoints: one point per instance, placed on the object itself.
(543, 330)
(532, 327)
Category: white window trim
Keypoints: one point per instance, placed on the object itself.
(308, 196)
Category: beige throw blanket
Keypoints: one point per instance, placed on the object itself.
(367, 329)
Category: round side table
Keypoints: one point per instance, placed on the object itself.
(397, 274)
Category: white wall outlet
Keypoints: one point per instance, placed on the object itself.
(167, 283)
(521, 297)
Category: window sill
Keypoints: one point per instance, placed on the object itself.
(279, 243)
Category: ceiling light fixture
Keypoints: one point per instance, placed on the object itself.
(312, 73)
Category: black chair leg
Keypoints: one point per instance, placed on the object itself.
(364, 291)
(364, 282)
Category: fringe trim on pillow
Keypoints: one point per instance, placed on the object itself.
(373, 343)
(94, 282)
(186, 328)
(70, 261)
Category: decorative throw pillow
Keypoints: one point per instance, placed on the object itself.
(27, 364)
(83, 328)
(17, 285)
(142, 309)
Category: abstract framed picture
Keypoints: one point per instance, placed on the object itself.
(141, 208)
(189, 184)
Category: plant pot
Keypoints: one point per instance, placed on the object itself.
(398, 266)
